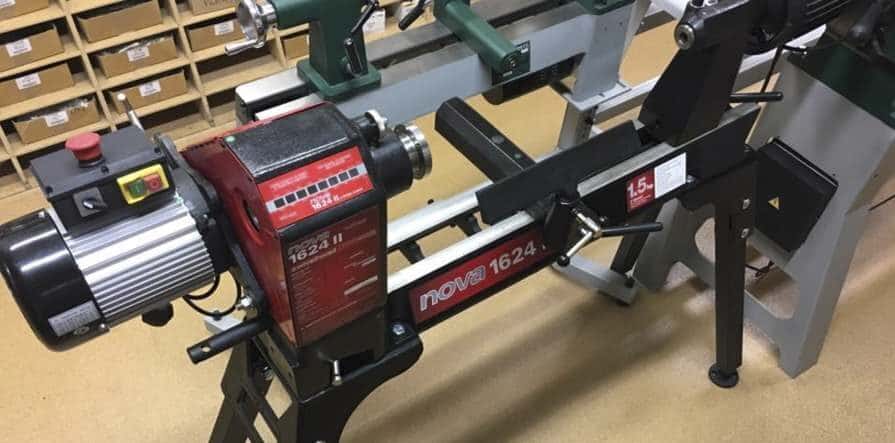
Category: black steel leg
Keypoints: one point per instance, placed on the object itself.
(730, 251)
(732, 196)
(323, 416)
(243, 383)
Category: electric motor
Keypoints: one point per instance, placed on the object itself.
(134, 225)
(128, 230)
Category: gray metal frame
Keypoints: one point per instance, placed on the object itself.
(592, 274)
(417, 85)
(859, 151)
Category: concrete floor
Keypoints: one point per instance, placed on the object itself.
(544, 361)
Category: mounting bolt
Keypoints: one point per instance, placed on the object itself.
(398, 329)
(245, 303)
(337, 375)
(746, 203)
(745, 233)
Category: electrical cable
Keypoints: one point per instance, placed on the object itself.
(215, 314)
(762, 271)
(208, 293)
(886, 200)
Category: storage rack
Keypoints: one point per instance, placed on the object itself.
(206, 109)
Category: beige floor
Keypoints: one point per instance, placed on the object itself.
(545, 361)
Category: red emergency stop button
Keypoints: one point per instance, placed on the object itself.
(153, 182)
(85, 147)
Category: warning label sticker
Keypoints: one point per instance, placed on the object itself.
(333, 274)
(657, 182)
(74, 319)
(316, 187)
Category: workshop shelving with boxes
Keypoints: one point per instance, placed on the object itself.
(64, 61)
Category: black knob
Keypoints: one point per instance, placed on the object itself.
(159, 317)
(563, 260)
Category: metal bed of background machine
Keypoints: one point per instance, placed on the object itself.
(293, 203)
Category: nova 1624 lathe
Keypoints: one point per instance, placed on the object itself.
(294, 203)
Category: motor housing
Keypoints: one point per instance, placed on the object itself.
(128, 230)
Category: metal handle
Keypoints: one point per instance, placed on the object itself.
(862, 31)
(255, 18)
(413, 15)
(356, 64)
(228, 338)
(129, 110)
(756, 97)
(592, 231)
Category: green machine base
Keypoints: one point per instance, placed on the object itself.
(339, 90)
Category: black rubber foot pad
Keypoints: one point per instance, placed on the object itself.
(722, 379)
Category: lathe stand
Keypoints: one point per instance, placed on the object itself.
(719, 172)
(320, 418)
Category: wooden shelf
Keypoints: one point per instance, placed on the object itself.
(239, 73)
(77, 6)
(187, 17)
(176, 18)
(81, 88)
(18, 148)
(69, 51)
(224, 113)
(166, 25)
(183, 128)
(191, 95)
(118, 80)
(42, 16)
(293, 30)
(12, 184)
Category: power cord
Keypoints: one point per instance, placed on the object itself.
(191, 299)
(762, 271)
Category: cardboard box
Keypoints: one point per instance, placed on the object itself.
(152, 91)
(136, 56)
(15, 8)
(203, 6)
(115, 22)
(216, 34)
(36, 84)
(296, 46)
(57, 121)
(29, 49)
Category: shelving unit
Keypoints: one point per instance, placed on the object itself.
(209, 72)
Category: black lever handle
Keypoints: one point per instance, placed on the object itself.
(227, 339)
(356, 63)
(862, 31)
(619, 231)
(756, 97)
(413, 15)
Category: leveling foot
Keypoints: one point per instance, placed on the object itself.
(723, 379)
